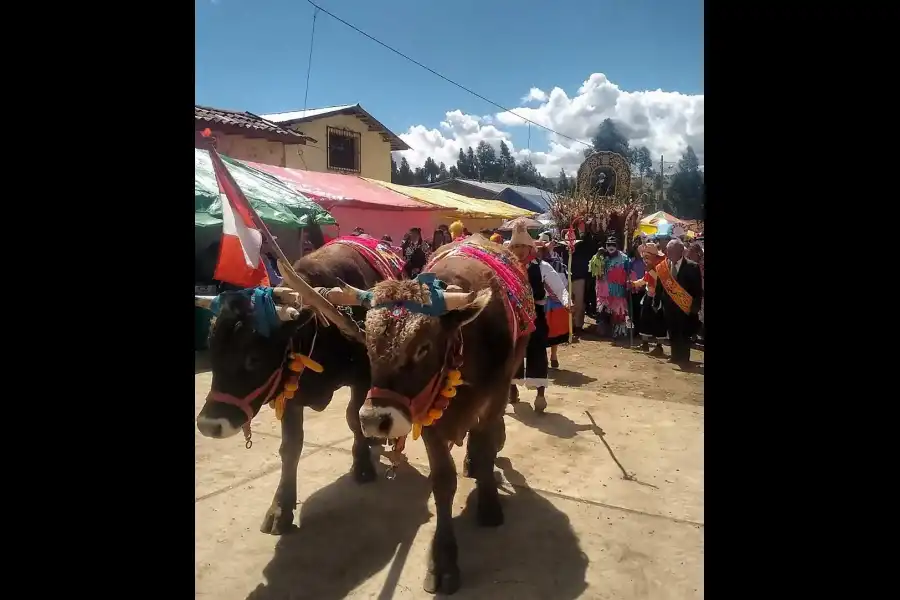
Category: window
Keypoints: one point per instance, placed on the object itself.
(343, 150)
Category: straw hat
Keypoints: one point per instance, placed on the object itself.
(520, 235)
(651, 249)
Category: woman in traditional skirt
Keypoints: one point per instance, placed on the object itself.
(652, 322)
(557, 308)
(532, 373)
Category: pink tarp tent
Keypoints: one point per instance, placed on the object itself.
(355, 202)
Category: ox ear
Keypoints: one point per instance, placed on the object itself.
(467, 313)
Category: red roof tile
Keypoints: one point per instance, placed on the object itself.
(249, 121)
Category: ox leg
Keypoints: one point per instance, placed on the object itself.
(485, 441)
(443, 571)
(363, 465)
(279, 518)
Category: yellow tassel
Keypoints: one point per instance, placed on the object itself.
(435, 413)
(448, 392)
(454, 375)
(297, 366)
(280, 403)
(416, 431)
(427, 421)
(289, 394)
(311, 364)
(291, 385)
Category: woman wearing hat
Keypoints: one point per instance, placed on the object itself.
(652, 323)
(557, 311)
(415, 252)
(532, 373)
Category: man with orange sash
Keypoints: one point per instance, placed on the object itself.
(679, 286)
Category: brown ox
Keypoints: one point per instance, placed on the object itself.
(409, 352)
(249, 369)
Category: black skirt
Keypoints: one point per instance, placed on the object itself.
(652, 322)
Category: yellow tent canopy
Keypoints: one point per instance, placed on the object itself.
(458, 206)
(648, 223)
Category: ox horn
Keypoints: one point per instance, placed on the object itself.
(320, 303)
(286, 296)
(345, 295)
(456, 300)
(203, 301)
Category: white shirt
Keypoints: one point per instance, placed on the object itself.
(676, 266)
(553, 281)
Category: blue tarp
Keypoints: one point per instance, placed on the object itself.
(523, 196)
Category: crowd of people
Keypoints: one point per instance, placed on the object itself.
(621, 289)
(645, 293)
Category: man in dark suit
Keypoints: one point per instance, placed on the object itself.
(680, 313)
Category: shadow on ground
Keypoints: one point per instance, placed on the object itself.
(534, 554)
(570, 378)
(549, 422)
(347, 533)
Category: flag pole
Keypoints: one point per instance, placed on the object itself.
(570, 240)
(295, 280)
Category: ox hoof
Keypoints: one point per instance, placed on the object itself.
(364, 471)
(490, 513)
(277, 521)
(540, 404)
(444, 583)
(467, 468)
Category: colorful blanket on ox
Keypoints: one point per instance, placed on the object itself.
(518, 300)
(377, 253)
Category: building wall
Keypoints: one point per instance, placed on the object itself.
(255, 149)
(375, 153)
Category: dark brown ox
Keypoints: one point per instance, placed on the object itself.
(245, 363)
(408, 356)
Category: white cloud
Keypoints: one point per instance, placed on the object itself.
(534, 94)
(665, 122)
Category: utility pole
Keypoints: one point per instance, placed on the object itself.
(662, 182)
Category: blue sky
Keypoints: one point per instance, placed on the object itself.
(252, 55)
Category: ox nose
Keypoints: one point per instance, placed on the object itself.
(212, 428)
(376, 424)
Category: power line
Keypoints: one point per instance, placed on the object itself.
(312, 38)
(447, 79)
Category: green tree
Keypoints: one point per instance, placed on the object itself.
(563, 184)
(431, 170)
(395, 175)
(686, 193)
(442, 175)
(404, 173)
(472, 163)
(465, 164)
(488, 166)
(609, 138)
(507, 164)
(642, 161)
(454, 172)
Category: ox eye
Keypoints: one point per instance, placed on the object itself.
(422, 351)
(251, 362)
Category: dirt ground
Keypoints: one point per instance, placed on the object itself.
(574, 527)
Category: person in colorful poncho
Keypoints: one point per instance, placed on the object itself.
(612, 293)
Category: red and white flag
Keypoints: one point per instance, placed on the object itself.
(240, 257)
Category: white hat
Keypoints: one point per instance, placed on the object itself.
(520, 235)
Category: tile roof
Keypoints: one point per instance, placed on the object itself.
(299, 116)
(246, 120)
